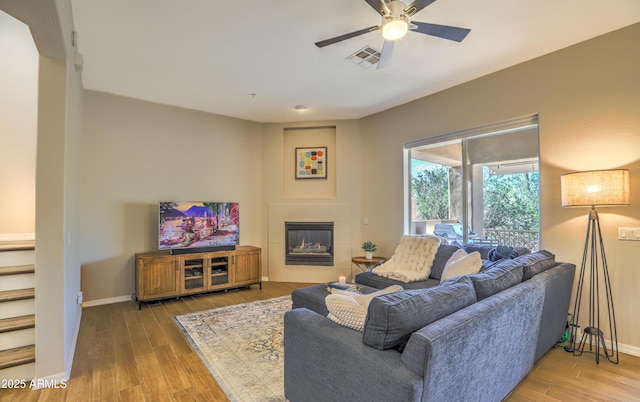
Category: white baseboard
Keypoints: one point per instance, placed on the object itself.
(629, 350)
(72, 352)
(101, 302)
(265, 279)
(622, 348)
(60, 380)
(17, 237)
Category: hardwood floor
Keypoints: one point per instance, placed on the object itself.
(560, 376)
(128, 354)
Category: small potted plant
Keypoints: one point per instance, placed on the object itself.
(369, 248)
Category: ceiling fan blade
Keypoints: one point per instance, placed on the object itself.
(385, 54)
(442, 31)
(416, 6)
(379, 6)
(350, 35)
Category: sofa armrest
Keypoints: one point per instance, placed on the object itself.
(325, 361)
(482, 351)
(558, 285)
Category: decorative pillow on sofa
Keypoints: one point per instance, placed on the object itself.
(412, 260)
(504, 274)
(392, 318)
(536, 263)
(461, 263)
(350, 309)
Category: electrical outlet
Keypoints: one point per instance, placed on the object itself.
(79, 298)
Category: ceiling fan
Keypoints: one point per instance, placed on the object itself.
(395, 25)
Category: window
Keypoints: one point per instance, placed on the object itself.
(477, 186)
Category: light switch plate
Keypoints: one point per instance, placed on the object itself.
(629, 234)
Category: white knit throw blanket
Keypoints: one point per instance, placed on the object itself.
(412, 260)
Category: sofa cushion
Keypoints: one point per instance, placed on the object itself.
(412, 260)
(392, 318)
(445, 251)
(370, 279)
(462, 263)
(535, 263)
(504, 274)
(349, 308)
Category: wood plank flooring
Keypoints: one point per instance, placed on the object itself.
(124, 354)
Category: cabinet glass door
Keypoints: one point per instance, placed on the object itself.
(193, 273)
(219, 271)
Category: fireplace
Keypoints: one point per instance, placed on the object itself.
(309, 243)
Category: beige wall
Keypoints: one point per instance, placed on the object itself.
(137, 153)
(588, 98)
(18, 129)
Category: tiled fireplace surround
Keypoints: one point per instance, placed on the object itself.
(343, 241)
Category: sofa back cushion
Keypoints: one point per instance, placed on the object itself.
(535, 263)
(484, 250)
(504, 274)
(392, 318)
(443, 255)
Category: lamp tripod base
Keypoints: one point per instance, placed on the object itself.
(599, 343)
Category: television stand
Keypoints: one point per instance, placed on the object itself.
(162, 275)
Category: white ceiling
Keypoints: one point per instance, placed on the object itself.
(213, 55)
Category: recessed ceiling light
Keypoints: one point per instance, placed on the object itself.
(301, 108)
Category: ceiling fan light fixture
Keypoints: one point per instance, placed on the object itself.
(395, 28)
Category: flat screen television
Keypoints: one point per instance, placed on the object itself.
(193, 226)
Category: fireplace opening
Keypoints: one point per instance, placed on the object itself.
(309, 243)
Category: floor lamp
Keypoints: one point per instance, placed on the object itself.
(591, 189)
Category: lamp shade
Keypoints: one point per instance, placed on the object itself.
(596, 187)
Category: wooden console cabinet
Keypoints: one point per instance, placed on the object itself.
(160, 275)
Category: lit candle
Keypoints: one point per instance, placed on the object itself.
(342, 279)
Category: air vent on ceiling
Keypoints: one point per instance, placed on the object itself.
(365, 57)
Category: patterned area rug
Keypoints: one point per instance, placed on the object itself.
(242, 346)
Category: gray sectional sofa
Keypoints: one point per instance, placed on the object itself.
(469, 338)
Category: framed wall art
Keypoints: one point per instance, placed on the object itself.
(311, 163)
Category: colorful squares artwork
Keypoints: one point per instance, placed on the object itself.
(311, 163)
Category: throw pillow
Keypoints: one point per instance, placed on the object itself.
(536, 263)
(500, 252)
(412, 260)
(461, 263)
(350, 309)
(504, 274)
(394, 317)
